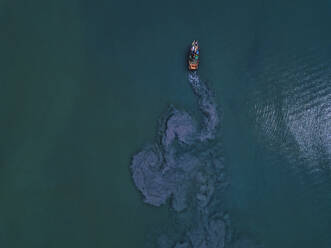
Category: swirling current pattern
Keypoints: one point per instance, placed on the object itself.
(185, 165)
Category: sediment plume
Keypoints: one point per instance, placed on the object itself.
(184, 167)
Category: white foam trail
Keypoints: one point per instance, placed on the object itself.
(207, 106)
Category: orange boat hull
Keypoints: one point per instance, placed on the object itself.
(193, 66)
(193, 56)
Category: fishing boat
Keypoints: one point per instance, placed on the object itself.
(193, 57)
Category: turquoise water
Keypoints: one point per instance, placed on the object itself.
(83, 84)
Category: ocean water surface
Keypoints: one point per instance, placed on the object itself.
(85, 86)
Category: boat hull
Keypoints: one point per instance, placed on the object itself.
(193, 66)
(193, 56)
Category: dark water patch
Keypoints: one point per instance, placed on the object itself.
(185, 169)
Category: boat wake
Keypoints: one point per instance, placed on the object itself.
(184, 168)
